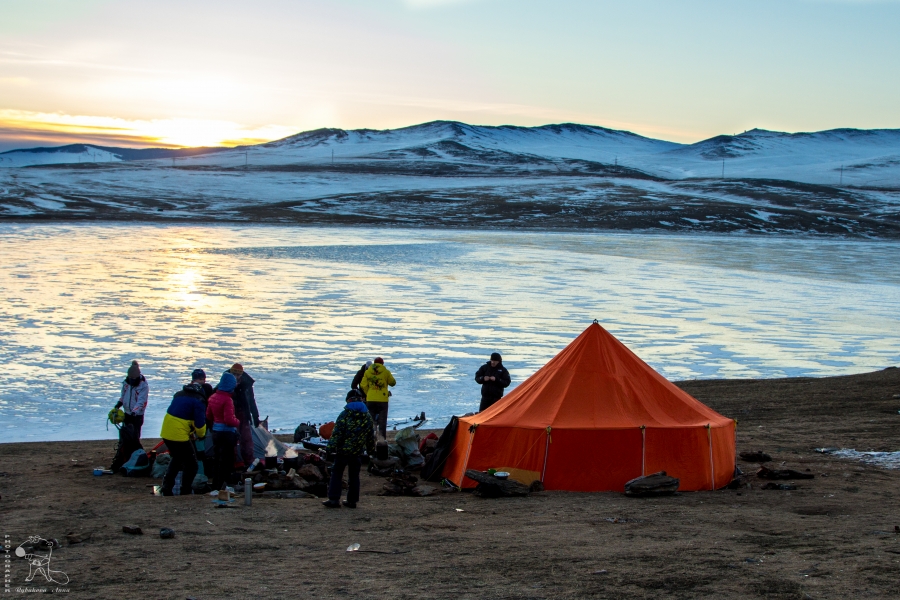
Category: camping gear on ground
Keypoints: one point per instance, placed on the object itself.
(326, 429)
(381, 450)
(779, 486)
(490, 486)
(434, 463)
(201, 484)
(385, 467)
(758, 457)
(657, 484)
(501, 475)
(137, 466)
(166, 533)
(303, 431)
(98, 471)
(404, 484)
(591, 419)
(765, 473)
(158, 470)
(265, 444)
(248, 491)
(408, 441)
(271, 462)
(315, 443)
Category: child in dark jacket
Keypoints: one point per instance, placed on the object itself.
(353, 433)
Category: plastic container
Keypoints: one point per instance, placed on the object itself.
(98, 471)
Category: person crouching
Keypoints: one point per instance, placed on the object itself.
(185, 415)
(220, 413)
(353, 433)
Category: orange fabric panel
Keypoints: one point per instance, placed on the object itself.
(723, 454)
(681, 453)
(454, 467)
(592, 460)
(499, 448)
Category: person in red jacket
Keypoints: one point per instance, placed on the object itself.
(224, 430)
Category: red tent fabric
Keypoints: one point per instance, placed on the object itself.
(591, 419)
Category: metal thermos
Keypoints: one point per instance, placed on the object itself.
(248, 491)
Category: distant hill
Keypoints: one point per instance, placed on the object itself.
(91, 153)
(843, 182)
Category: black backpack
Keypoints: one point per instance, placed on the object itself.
(434, 464)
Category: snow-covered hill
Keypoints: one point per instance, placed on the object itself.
(843, 182)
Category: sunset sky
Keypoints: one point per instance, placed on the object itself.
(204, 72)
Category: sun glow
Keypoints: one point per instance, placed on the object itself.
(162, 132)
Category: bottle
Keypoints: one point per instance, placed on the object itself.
(253, 464)
(176, 489)
(248, 491)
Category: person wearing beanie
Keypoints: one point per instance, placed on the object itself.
(220, 413)
(186, 416)
(133, 401)
(374, 384)
(494, 378)
(353, 433)
(245, 409)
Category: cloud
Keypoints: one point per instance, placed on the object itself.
(60, 127)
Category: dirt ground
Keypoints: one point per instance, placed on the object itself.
(834, 537)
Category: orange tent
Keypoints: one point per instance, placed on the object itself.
(591, 419)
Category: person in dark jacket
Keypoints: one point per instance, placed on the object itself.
(353, 433)
(133, 401)
(245, 410)
(220, 413)
(357, 379)
(494, 378)
(185, 416)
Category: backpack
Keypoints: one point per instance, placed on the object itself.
(138, 465)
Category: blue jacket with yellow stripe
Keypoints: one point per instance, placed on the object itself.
(186, 414)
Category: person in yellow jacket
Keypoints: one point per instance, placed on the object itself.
(185, 415)
(374, 384)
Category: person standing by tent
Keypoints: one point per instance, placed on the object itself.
(353, 432)
(220, 413)
(246, 411)
(374, 384)
(133, 402)
(186, 415)
(494, 378)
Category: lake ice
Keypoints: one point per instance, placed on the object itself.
(303, 308)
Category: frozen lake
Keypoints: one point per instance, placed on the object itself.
(303, 308)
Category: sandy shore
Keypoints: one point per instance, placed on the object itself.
(833, 537)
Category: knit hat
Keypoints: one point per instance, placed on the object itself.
(227, 383)
(237, 369)
(496, 356)
(379, 360)
(134, 371)
(198, 374)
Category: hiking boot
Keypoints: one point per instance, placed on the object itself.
(349, 504)
(331, 504)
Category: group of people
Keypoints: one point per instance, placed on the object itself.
(223, 416)
(228, 410)
(354, 429)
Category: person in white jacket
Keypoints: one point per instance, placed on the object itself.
(133, 401)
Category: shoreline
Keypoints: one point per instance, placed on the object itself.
(831, 537)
